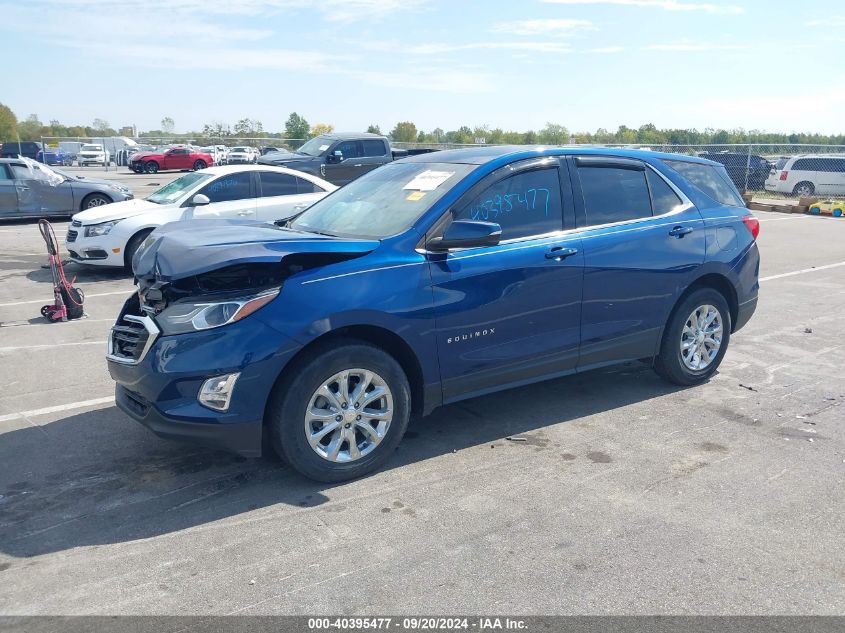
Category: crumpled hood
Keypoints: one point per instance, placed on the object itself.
(271, 158)
(174, 251)
(141, 155)
(116, 210)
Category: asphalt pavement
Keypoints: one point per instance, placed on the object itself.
(627, 495)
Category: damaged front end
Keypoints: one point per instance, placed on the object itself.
(206, 276)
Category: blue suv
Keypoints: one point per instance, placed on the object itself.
(427, 281)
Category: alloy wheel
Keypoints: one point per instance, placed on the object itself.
(349, 415)
(701, 338)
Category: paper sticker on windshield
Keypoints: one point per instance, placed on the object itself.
(323, 148)
(415, 195)
(428, 180)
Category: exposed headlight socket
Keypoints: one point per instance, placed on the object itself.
(216, 393)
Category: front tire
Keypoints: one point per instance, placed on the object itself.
(695, 339)
(151, 167)
(132, 247)
(340, 412)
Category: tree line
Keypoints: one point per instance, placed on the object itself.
(297, 127)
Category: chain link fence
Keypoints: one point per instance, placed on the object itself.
(762, 170)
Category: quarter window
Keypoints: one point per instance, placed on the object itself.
(231, 187)
(663, 197)
(527, 203)
(614, 194)
(711, 181)
(273, 184)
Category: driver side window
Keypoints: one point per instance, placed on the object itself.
(525, 204)
(349, 148)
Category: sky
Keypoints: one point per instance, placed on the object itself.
(774, 65)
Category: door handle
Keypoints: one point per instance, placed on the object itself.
(358, 165)
(244, 212)
(680, 231)
(22, 188)
(559, 253)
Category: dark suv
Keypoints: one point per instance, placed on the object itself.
(747, 172)
(27, 149)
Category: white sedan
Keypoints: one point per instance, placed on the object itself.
(109, 235)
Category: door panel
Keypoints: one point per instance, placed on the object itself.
(36, 196)
(506, 314)
(510, 313)
(634, 269)
(8, 194)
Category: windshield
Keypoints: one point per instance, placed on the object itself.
(315, 146)
(383, 202)
(240, 149)
(91, 148)
(172, 191)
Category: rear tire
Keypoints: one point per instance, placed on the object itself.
(151, 167)
(296, 400)
(94, 200)
(199, 164)
(804, 189)
(132, 247)
(693, 348)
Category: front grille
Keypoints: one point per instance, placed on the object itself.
(76, 223)
(71, 235)
(133, 334)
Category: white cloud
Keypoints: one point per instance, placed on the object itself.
(605, 50)
(690, 47)
(561, 26)
(541, 47)
(834, 21)
(668, 5)
(332, 10)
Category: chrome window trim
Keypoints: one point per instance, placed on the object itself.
(152, 336)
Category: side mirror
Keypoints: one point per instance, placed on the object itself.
(466, 234)
(200, 200)
(335, 157)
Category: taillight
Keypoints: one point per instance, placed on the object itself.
(784, 175)
(752, 224)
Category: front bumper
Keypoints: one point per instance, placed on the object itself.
(160, 391)
(92, 250)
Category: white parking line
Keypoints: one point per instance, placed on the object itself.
(35, 348)
(56, 409)
(802, 271)
(87, 296)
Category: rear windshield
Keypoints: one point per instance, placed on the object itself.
(711, 181)
(781, 162)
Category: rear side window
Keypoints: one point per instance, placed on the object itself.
(663, 197)
(709, 180)
(614, 194)
(306, 186)
(228, 188)
(4, 173)
(525, 204)
(273, 184)
(373, 147)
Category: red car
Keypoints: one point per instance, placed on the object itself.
(174, 158)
